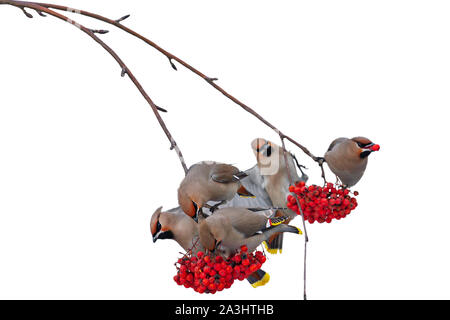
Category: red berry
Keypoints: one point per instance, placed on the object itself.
(376, 147)
(253, 268)
(212, 287)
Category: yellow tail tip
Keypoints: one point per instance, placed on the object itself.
(300, 231)
(271, 251)
(246, 196)
(261, 282)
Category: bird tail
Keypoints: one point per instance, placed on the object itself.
(244, 193)
(274, 243)
(258, 278)
(277, 220)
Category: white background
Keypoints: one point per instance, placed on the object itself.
(84, 163)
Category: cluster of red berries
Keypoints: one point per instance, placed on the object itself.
(322, 204)
(206, 273)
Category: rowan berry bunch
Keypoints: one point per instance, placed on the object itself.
(206, 273)
(322, 204)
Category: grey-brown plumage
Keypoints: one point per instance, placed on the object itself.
(347, 158)
(176, 225)
(209, 181)
(235, 227)
(271, 165)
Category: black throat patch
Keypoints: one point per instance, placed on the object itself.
(364, 154)
(166, 235)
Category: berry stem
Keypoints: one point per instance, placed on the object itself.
(291, 182)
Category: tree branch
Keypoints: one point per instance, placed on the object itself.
(125, 70)
(171, 57)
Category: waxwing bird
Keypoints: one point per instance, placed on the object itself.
(232, 228)
(272, 167)
(347, 158)
(176, 225)
(254, 183)
(210, 181)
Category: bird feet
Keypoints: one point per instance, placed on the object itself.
(216, 206)
(320, 160)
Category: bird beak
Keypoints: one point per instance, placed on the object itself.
(213, 248)
(156, 236)
(216, 244)
(196, 209)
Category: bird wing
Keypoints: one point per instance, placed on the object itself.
(245, 221)
(254, 183)
(224, 173)
(336, 142)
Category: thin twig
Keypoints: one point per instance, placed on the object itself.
(125, 70)
(321, 161)
(171, 57)
(291, 182)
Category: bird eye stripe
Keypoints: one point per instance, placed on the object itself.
(158, 227)
(364, 145)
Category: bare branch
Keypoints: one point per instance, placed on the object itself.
(291, 182)
(211, 80)
(162, 110)
(92, 33)
(124, 72)
(172, 58)
(29, 15)
(173, 65)
(121, 19)
(99, 31)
